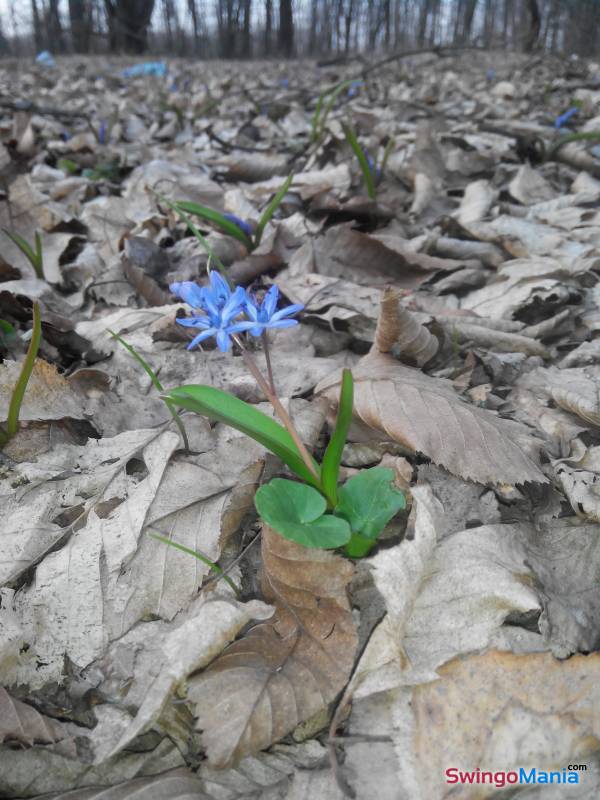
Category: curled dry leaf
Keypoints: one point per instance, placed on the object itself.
(399, 329)
(179, 784)
(20, 722)
(425, 415)
(286, 669)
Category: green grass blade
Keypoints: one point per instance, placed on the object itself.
(583, 136)
(217, 218)
(386, 154)
(199, 556)
(272, 208)
(314, 131)
(330, 466)
(155, 382)
(34, 257)
(16, 400)
(368, 176)
(202, 239)
(141, 361)
(224, 407)
(318, 121)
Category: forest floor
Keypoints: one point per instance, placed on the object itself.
(468, 638)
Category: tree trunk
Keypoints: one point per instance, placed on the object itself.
(286, 28)
(193, 11)
(38, 35)
(246, 39)
(534, 25)
(128, 22)
(54, 28)
(80, 20)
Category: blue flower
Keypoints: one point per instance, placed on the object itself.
(564, 118)
(354, 88)
(264, 315)
(222, 307)
(375, 171)
(102, 132)
(242, 225)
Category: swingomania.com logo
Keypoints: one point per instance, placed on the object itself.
(502, 778)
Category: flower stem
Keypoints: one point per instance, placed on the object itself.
(279, 409)
(265, 341)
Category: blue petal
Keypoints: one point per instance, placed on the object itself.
(256, 330)
(223, 340)
(219, 286)
(286, 312)
(237, 327)
(282, 323)
(269, 304)
(194, 322)
(234, 306)
(189, 292)
(201, 337)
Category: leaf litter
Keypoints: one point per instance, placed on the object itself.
(465, 300)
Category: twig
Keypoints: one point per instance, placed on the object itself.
(226, 570)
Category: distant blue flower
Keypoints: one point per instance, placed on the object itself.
(221, 305)
(264, 315)
(375, 171)
(284, 82)
(564, 118)
(65, 136)
(102, 132)
(354, 88)
(242, 225)
(490, 74)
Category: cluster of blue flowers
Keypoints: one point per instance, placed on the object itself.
(227, 312)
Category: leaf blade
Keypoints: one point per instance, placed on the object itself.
(223, 407)
(330, 466)
(217, 218)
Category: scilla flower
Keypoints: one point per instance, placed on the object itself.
(222, 307)
(242, 225)
(264, 315)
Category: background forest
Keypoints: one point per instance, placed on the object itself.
(259, 28)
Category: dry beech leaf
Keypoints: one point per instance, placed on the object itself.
(425, 415)
(398, 329)
(500, 711)
(48, 395)
(178, 784)
(284, 670)
(20, 722)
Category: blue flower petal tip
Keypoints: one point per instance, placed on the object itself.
(242, 224)
(559, 122)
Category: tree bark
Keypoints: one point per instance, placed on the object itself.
(128, 22)
(286, 28)
(534, 25)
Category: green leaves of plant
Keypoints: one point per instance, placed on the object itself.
(362, 159)
(297, 512)
(35, 257)
(333, 455)
(271, 209)
(223, 407)
(368, 501)
(218, 219)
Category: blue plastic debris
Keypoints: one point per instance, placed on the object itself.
(45, 59)
(157, 68)
(564, 118)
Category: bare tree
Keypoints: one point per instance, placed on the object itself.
(81, 21)
(128, 22)
(286, 28)
(534, 25)
(38, 36)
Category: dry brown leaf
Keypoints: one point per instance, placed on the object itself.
(48, 395)
(398, 328)
(286, 669)
(425, 415)
(179, 784)
(502, 711)
(20, 722)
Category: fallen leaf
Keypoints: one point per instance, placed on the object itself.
(286, 669)
(21, 723)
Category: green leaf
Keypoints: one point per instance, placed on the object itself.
(330, 467)
(369, 500)
(362, 160)
(272, 208)
(34, 257)
(297, 512)
(223, 407)
(18, 393)
(66, 165)
(318, 122)
(216, 218)
(6, 329)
